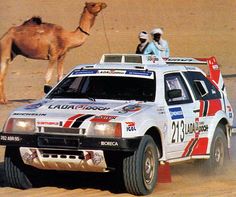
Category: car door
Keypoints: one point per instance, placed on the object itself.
(181, 112)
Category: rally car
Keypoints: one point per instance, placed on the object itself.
(129, 112)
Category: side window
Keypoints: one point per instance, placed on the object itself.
(176, 91)
(202, 87)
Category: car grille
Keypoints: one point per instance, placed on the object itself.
(58, 141)
(63, 130)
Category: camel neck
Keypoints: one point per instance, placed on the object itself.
(79, 36)
(86, 21)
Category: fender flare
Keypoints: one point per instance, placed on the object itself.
(152, 124)
(219, 118)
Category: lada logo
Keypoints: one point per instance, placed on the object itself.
(78, 107)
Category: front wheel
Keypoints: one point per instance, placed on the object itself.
(140, 169)
(18, 174)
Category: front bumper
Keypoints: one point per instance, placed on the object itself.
(41, 140)
(67, 152)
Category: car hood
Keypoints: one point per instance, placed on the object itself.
(64, 109)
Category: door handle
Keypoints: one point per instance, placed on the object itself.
(196, 110)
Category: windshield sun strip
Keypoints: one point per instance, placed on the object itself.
(113, 72)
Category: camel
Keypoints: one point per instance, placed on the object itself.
(44, 41)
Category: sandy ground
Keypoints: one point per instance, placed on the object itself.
(200, 28)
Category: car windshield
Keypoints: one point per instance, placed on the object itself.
(105, 87)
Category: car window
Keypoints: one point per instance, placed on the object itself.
(194, 78)
(106, 87)
(175, 81)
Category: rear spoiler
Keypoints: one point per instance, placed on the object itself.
(214, 71)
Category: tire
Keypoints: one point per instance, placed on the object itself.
(218, 152)
(140, 168)
(18, 174)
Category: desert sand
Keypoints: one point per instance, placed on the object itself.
(200, 28)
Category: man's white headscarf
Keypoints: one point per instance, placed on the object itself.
(157, 31)
(143, 35)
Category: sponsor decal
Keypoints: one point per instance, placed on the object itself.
(84, 72)
(10, 138)
(28, 158)
(96, 158)
(111, 72)
(229, 108)
(180, 129)
(28, 114)
(42, 123)
(137, 72)
(161, 110)
(215, 73)
(103, 118)
(152, 58)
(190, 68)
(130, 126)
(36, 105)
(215, 67)
(176, 113)
(109, 143)
(78, 107)
(129, 108)
(202, 127)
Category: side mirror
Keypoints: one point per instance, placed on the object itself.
(47, 88)
(175, 93)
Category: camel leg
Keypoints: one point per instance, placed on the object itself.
(3, 71)
(60, 67)
(5, 58)
(49, 72)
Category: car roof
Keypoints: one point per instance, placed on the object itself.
(144, 62)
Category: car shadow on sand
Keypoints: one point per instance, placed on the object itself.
(2, 175)
(73, 180)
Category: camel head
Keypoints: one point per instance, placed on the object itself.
(95, 8)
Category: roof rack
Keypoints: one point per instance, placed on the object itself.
(131, 59)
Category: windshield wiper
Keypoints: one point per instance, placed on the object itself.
(91, 99)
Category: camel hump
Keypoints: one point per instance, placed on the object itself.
(35, 20)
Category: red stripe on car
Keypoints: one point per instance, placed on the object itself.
(214, 106)
(201, 147)
(69, 122)
(186, 150)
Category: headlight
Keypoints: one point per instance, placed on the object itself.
(20, 125)
(105, 129)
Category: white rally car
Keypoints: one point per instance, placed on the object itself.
(128, 113)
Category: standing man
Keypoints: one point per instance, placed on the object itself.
(158, 46)
(144, 41)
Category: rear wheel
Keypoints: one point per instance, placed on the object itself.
(218, 152)
(18, 174)
(140, 169)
